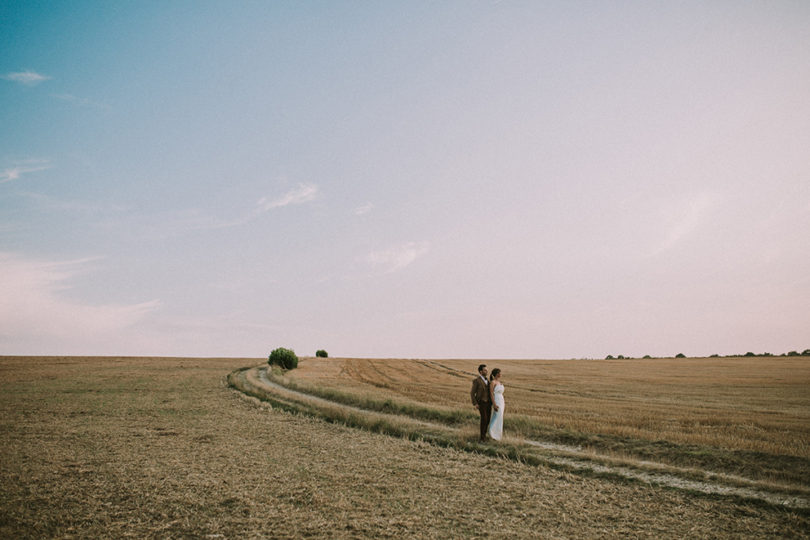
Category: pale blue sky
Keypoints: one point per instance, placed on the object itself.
(404, 179)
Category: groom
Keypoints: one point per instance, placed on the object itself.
(481, 400)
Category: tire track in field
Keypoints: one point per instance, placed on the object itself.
(447, 370)
(575, 458)
(469, 374)
(358, 374)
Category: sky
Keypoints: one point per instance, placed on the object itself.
(471, 179)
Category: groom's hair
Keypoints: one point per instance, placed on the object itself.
(482, 366)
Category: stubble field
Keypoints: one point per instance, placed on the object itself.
(743, 415)
(162, 448)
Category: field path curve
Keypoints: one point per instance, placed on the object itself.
(256, 383)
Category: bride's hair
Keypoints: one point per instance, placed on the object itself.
(495, 373)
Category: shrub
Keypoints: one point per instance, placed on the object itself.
(285, 358)
(680, 355)
(793, 353)
(322, 354)
(647, 357)
(806, 352)
(609, 357)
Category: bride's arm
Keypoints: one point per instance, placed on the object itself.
(492, 395)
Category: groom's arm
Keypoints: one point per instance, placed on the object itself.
(474, 394)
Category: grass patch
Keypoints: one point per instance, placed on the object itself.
(450, 417)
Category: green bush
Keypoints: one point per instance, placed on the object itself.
(680, 355)
(285, 358)
(322, 354)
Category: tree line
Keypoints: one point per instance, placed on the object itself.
(805, 352)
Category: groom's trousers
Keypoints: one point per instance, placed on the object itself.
(485, 409)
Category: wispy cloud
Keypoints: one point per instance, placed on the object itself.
(191, 220)
(52, 204)
(396, 258)
(363, 210)
(686, 217)
(80, 102)
(14, 173)
(28, 77)
(301, 194)
(33, 303)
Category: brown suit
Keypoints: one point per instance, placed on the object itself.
(481, 399)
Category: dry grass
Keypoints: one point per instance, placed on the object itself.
(458, 429)
(737, 415)
(751, 404)
(160, 448)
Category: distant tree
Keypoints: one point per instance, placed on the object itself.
(806, 352)
(647, 357)
(286, 358)
(609, 357)
(322, 354)
(715, 356)
(750, 354)
(621, 357)
(680, 355)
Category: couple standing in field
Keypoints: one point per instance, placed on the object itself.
(487, 397)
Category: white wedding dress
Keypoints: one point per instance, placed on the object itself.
(496, 423)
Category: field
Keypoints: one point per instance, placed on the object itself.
(163, 448)
(725, 407)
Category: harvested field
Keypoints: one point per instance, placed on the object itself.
(160, 447)
(739, 403)
(742, 415)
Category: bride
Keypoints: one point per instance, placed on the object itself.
(496, 393)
